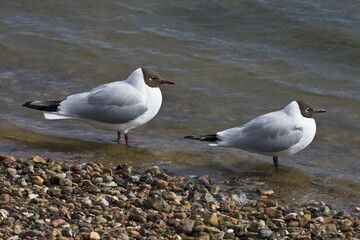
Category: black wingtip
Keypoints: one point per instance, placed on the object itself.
(27, 104)
(207, 138)
(48, 106)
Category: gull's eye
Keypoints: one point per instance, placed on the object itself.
(307, 109)
(152, 78)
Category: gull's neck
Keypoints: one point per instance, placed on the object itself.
(136, 79)
(292, 109)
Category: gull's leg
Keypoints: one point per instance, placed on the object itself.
(119, 136)
(275, 160)
(127, 138)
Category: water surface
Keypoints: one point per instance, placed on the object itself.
(231, 61)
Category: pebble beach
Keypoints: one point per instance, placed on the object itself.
(48, 199)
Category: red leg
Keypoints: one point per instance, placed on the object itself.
(275, 160)
(119, 136)
(126, 138)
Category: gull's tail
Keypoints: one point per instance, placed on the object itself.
(49, 109)
(46, 106)
(207, 138)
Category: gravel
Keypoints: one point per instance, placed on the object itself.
(46, 199)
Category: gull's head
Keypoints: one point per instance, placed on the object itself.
(307, 110)
(153, 79)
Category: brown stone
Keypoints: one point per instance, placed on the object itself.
(273, 212)
(55, 167)
(56, 232)
(58, 222)
(94, 236)
(346, 224)
(187, 205)
(357, 225)
(331, 228)
(171, 196)
(261, 204)
(293, 224)
(5, 197)
(76, 168)
(108, 171)
(269, 202)
(37, 180)
(186, 227)
(291, 216)
(38, 159)
(161, 184)
(6, 159)
(180, 215)
(328, 220)
(211, 219)
(249, 210)
(87, 183)
(204, 228)
(204, 237)
(304, 219)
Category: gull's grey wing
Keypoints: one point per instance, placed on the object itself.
(272, 132)
(116, 103)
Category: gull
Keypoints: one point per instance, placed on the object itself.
(275, 134)
(119, 106)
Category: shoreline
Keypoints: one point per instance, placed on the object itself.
(47, 199)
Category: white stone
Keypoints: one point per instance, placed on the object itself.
(32, 195)
(4, 213)
(104, 202)
(319, 219)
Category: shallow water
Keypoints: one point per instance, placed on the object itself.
(231, 61)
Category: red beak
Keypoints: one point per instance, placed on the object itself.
(319, 111)
(164, 81)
